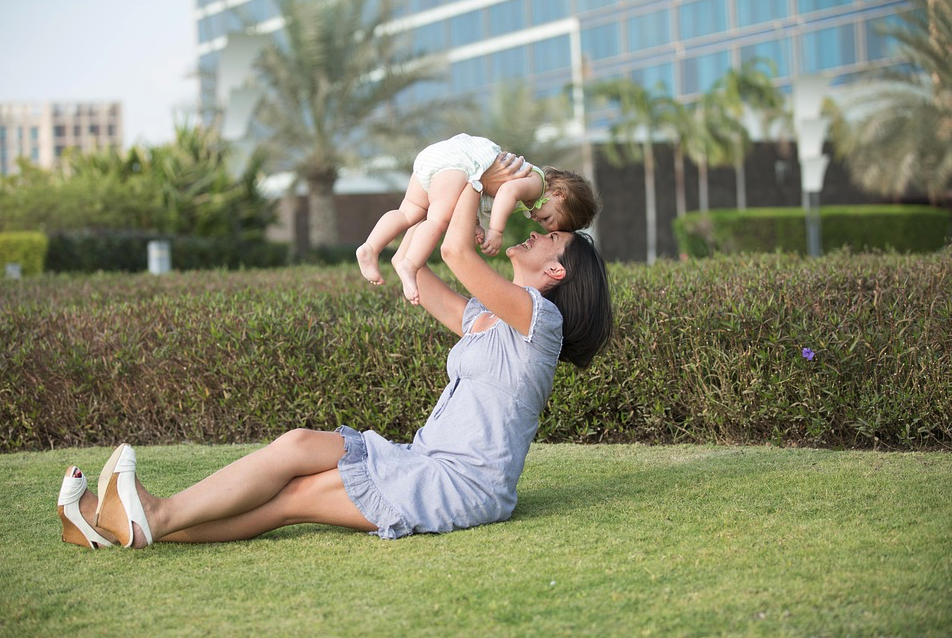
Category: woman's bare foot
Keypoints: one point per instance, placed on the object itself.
(407, 273)
(367, 260)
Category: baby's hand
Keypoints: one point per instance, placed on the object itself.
(492, 243)
(480, 235)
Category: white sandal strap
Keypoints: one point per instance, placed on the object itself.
(71, 490)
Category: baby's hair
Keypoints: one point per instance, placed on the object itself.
(580, 202)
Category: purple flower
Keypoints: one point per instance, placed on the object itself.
(808, 354)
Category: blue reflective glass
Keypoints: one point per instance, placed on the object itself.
(699, 74)
(879, 45)
(468, 75)
(430, 37)
(806, 6)
(700, 18)
(509, 64)
(658, 78)
(551, 54)
(205, 32)
(549, 10)
(590, 5)
(776, 51)
(466, 28)
(649, 30)
(602, 42)
(34, 133)
(828, 48)
(756, 11)
(506, 17)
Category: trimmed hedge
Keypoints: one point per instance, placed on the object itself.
(860, 228)
(127, 251)
(704, 351)
(25, 248)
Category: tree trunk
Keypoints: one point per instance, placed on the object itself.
(679, 180)
(322, 217)
(651, 210)
(740, 176)
(703, 203)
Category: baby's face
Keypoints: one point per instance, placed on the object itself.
(549, 215)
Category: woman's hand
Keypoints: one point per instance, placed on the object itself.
(506, 167)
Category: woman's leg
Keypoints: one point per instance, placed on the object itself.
(316, 498)
(412, 210)
(253, 481)
(445, 189)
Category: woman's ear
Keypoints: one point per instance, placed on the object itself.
(556, 271)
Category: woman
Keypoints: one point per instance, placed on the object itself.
(462, 467)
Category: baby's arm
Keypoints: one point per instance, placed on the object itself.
(508, 195)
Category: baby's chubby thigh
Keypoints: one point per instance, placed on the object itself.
(446, 186)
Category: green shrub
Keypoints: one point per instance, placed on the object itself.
(25, 248)
(127, 251)
(861, 228)
(704, 351)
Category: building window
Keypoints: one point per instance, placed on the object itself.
(551, 54)
(77, 130)
(776, 51)
(466, 28)
(34, 133)
(506, 17)
(59, 130)
(828, 48)
(94, 129)
(702, 18)
(58, 150)
(591, 5)
(879, 44)
(35, 154)
(602, 42)
(3, 134)
(649, 30)
(430, 38)
(549, 10)
(699, 74)
(658, 79)
(111, 130)
(806, 6)
(756, 11)
(509, 64)
(468, 75)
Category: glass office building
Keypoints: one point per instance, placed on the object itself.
(680, 47)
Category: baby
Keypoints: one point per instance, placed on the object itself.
(557, 200)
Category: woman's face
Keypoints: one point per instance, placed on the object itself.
(539, 251)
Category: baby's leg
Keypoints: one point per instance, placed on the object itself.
(388, 227)
(445, 189)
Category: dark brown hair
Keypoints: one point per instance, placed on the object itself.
(580, 202)
(583, 297)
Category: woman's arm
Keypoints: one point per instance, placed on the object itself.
(445, 304)
(508, 195)
(509, 302)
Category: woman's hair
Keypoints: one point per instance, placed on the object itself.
(584, 299)
(580, 202)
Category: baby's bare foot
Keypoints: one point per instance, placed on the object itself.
(367, 260)
(407, 273)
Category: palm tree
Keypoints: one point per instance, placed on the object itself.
(523, 135)
(328, 89)
(748, 87)
(683, 131)
(641, 113)
(712, 141)
(902, 138)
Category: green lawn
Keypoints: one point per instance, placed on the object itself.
(606, 541)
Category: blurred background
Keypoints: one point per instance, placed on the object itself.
(288, 127)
